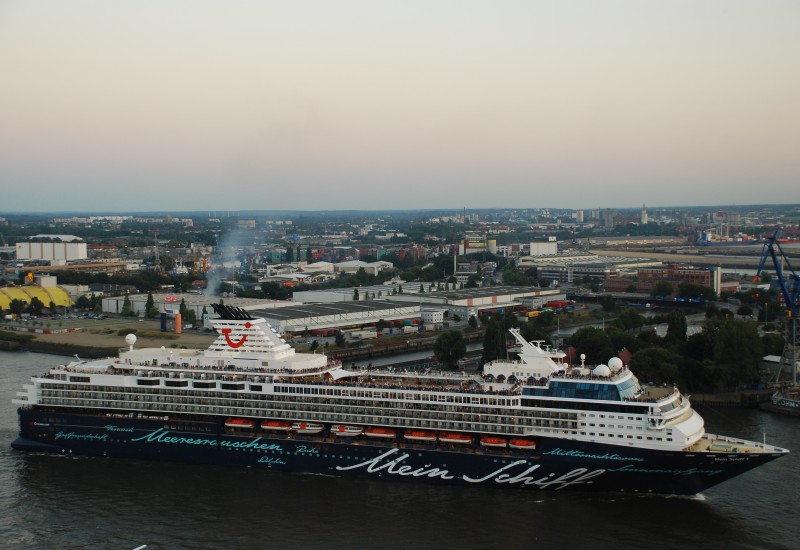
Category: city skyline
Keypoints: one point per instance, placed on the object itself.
(369, 106)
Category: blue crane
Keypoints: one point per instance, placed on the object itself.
(790, 288)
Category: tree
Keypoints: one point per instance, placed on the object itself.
(314, 346)
(450, 347)
(17, 306)
(656, 365)
(204, 312)
(662, 288)
(35, 306)
(183, 310)
(594, 343)
(472, 322)
(150, 306)
(773, 343)
(127, 310)
(339, 340)
(355, 294)
(494, 340)
(629, 319)
(82, 302)
(608, 303)
(744, 311)
(737, 350)
(676, 326)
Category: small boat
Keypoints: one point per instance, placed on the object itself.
(275, 425)
(343, 430)
(380, 433)
(307, 427)
(525, 444)
(461, 439)
(420, 435)
(493, 442)
(239, 423)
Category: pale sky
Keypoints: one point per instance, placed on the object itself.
(199, 105)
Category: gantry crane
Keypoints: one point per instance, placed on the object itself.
(790, 289)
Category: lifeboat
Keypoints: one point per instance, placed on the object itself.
(420, 435)
(494, 442)
(525, 444)
(460, 439)
(275, 425)
(380, 433)
(342, 430)
(307, 427)
(239, 423)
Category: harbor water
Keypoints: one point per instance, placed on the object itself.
(78, 502)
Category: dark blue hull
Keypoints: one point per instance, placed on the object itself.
(555, 464)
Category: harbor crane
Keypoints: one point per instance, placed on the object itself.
(790, 289)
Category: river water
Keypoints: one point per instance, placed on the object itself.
(60, 502)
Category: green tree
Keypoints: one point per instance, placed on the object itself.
(17, 306)
(472, 322)
(676, 326)
(737, 350)
(150, 306)
(314, 346)
(594, 343)
(126, 310)
(609, 303)
(339, 340)
(35, 306)
(662, 288)
(744, 311)
(355, 294)
(629, 319)
(773, 343)
(183, 310)
(450, 347)
(494, 340)
(656, 365)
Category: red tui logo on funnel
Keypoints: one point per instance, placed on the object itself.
(227, 333)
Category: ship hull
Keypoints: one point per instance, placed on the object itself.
(555, 464)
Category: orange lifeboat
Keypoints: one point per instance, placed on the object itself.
(239, 423)
(380, 433)
(457, 438)
(420, 435)
(494, 442)
(275, 425)
(524, 444)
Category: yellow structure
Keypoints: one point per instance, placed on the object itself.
(26, 293)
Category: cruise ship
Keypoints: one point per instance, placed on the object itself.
(251, 400)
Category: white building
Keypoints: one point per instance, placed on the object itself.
(55, 252)
(432, 316)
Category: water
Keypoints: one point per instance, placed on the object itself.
(62, 502)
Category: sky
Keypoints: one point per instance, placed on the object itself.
(325, 105)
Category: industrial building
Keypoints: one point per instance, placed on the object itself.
(46, 294)
(341, 315)
(569, 268)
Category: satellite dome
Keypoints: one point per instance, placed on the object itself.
(602, 370)
(130, 339)
(615, 363)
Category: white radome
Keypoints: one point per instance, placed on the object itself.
(130, 339)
